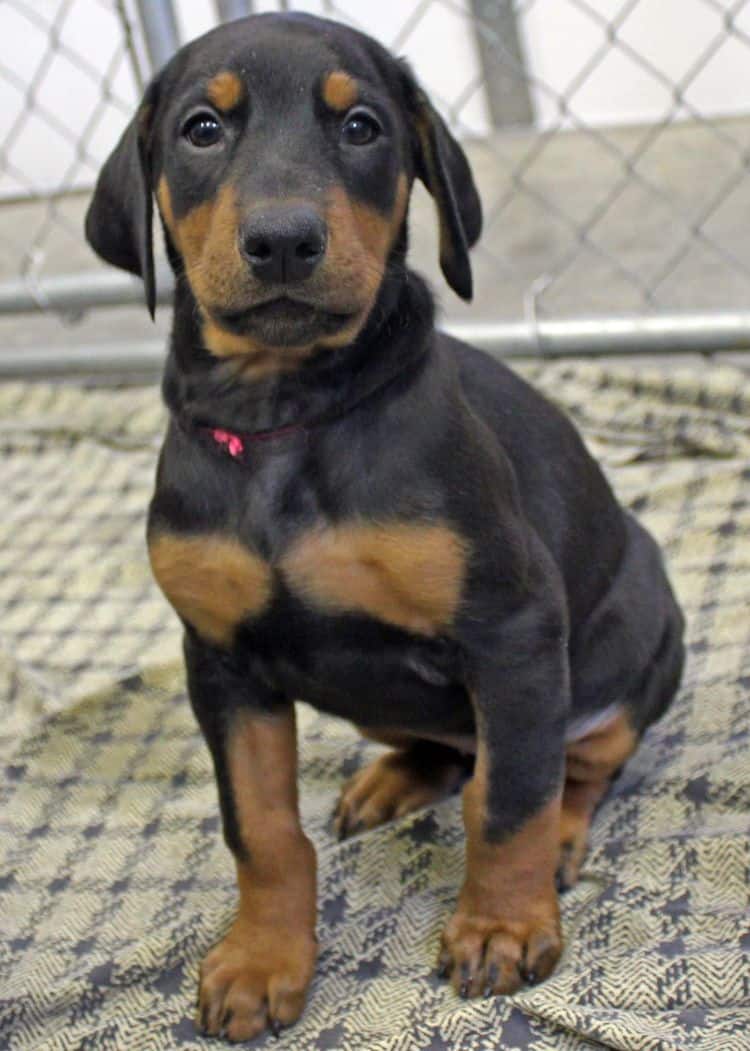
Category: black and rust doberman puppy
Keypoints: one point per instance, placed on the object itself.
(357, 510)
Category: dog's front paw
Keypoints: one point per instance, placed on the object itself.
(256, 978)
(486, 954)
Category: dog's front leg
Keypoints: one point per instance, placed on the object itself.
(506, 927)
(258, 975)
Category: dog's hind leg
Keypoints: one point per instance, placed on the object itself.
(415, 774)
(591, 762)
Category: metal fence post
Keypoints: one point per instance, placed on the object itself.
(228, 10)
(507, 89)
(159, 30)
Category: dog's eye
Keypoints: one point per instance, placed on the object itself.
(202, 129)
(360, 128)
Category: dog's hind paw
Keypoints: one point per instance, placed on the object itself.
(395, 784)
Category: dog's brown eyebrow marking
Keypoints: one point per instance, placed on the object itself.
(407, 574)
(339, 91)
(225, 90)
(213, 581)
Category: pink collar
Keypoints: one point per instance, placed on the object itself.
(233, 444)
(236, 443)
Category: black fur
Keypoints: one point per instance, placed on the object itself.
(566, 608)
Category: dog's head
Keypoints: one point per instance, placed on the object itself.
(281, 151)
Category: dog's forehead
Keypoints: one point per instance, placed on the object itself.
(281, 58)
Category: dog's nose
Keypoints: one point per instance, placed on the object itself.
(283, 245)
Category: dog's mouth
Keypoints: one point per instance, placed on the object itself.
(284, 321)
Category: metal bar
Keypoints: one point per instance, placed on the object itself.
(135, 54)
(496, 32)
(576, 337)
(121, 359)
(159, 31)
(646, 334)
(650, 334)
(76, 293)
(228, 10)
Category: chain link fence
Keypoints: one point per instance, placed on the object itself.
(71, 74)
(610, 139)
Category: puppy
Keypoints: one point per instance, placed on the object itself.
(354, 509)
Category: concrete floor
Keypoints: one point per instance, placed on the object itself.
(575, 173)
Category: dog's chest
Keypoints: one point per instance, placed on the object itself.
(407, 574)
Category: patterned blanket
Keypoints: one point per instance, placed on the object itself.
(113, 876)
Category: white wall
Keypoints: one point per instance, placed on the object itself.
(558, 39)
(42, 156)
(672, 35)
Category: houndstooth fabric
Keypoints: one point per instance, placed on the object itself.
(114, 879)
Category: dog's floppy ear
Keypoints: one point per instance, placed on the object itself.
(442, 166)
(119, 221)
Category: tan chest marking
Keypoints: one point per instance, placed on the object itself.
(212, 581)
(405, 574)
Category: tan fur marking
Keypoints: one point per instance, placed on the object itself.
(357, 249)
(360, 239)
(225, 90)
(224, 344)
(251, 360)
(590, 764)
(395, 784)
(164, 198)
(266, 961)
(507, 876)
(401, 202)
(262, 757)
(600, 754)
(408, 575)
(212, 581)
(507, 916)
(373, 230)
(340, 91)
(207, 240)
(441, 205)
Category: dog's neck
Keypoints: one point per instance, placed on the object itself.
(201, 389)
